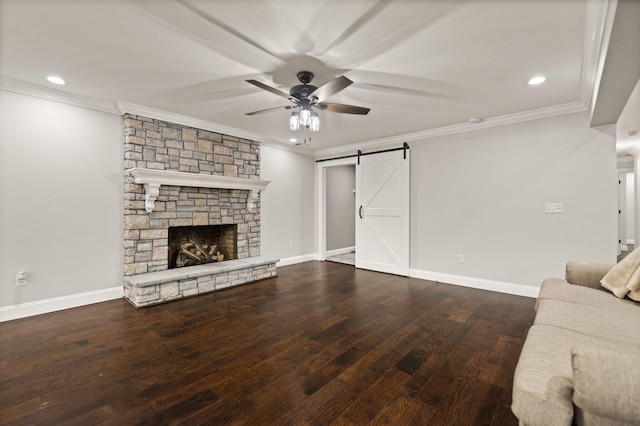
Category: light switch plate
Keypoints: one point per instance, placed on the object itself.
(21, 279)
(554, 208)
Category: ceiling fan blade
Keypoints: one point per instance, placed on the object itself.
(262, 111)
(270, 89)
(331, 88)
(404, 91)
(345, 109)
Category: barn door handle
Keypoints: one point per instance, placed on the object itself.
(360, 212)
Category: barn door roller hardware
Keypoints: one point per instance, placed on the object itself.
(405, 146)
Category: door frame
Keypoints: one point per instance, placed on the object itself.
(321, 202)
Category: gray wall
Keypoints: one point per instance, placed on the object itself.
(482, 194)
(61, 174)
(340, 206)
(287, 205)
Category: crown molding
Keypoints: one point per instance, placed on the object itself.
(503, 120)
(298, 149)
(30, 89)
(126, 107)
(600, 17)
(120, 107)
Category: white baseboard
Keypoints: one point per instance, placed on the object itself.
(297, 259)
(344, 250)
(623, 247)
(29, 309)
(479, 283)
(633, 242)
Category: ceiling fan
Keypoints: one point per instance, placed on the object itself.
(306, 97)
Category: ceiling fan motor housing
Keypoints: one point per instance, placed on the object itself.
(302, 91)
(305, 77)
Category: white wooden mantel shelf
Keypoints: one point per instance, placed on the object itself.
(152, 180)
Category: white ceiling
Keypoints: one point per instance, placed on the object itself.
(419, 65)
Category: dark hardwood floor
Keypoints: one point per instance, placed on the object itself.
(321, 344)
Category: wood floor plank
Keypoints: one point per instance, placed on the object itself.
(322, 343)
(367, 406)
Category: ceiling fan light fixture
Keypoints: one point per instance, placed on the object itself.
(294, 121)
(306, 99)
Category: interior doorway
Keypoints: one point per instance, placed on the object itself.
(340, 212)
(336, 210)
(626, 212)
(380, 213)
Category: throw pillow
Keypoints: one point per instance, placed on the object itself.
(624, 278)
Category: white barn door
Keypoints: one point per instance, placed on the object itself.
(382, 212)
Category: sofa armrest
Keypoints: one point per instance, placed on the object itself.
(606, 385)
(586, 274)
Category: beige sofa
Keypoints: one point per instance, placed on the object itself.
(580, 363)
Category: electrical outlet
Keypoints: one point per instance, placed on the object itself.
(290, 244)
(21, 279)
(460, 258)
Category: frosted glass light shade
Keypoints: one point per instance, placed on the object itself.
(315, 122)
(305, 117)
(294, 121)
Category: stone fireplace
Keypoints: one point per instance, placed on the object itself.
(179, 178)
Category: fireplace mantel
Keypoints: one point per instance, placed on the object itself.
(152, 180)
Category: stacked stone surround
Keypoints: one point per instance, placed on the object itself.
(160, 145)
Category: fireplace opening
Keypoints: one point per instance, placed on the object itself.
(196, 245)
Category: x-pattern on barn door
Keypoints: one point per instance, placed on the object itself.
(382, 216)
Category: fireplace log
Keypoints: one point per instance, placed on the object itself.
(205, 254)
(190, 254)
(181, 260)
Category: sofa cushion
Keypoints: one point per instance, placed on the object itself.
(586, 274)
(557, 289)
(543, 382)
(619, 325)
(606, 387)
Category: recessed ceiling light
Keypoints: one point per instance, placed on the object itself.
(55, 80)
(293, 140)
(537, 80)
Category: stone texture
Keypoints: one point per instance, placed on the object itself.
(150, 143)
(200, 219)
(230, 170)
(172, 287)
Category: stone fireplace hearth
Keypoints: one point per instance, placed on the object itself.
(178, 177)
